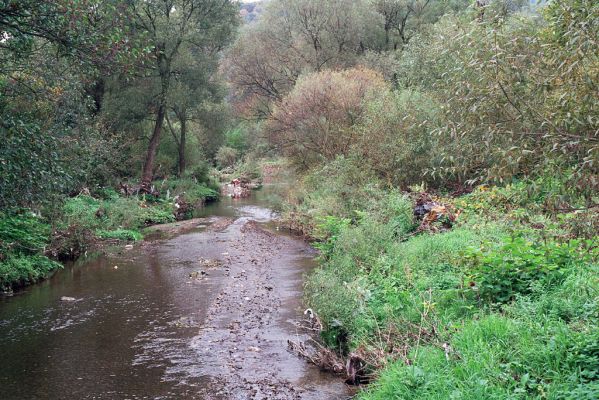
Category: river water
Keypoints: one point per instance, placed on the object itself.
(145, 326)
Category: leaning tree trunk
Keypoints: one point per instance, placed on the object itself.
(148, 170)
(182, 161)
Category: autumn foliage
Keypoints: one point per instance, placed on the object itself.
(315, 121)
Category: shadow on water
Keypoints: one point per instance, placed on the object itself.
(128, 334)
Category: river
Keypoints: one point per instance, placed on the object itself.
(201, 314)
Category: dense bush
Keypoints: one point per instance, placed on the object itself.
(514, 92)
(23, 240)
(394, 136)
(314, 123)
(337, 189)
(226, 157)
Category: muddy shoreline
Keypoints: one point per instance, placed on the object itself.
(244, 338)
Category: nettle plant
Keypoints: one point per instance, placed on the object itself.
(498, 274)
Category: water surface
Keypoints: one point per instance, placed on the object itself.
(130, 333)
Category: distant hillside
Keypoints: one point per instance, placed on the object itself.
(251, 11)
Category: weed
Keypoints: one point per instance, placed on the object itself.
(120, 234)
(499, 273)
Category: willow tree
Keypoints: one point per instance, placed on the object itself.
(174, 27)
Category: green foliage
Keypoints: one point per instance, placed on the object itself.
(327, 232)
(337, 189)
(200, 172)
(226, 157)
(192, 191)
(23, 233)
(18, 270)
(249, 168)
(237, 139)
(502, 86)
(23, 239)
(499, 273)
(394, 136)
(115, 214)
(494, 358)
(510, 315)
(120, 234)
(30, 164)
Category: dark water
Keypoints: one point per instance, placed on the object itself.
(128, 334)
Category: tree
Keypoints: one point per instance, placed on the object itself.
(515, 94)
(405, 18)
(294, 37)
(314, 123)
(194, 91)
(49, 52)
(171, 26)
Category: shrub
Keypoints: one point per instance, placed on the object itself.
(121, 213)
(501, 273)
(314, 123)
(23, 233)
(23, 239)
(510, 104)
(192, 191)
(120, 234)
(338, 188)
(327, 232)
(226, 157)
(394, 136)
(237, 139)
(19, 269)
(200, 172)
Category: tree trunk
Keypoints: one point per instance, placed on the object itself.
(164, 71)
(148, 170)
(182, 161)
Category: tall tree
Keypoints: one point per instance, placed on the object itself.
(294, 37)
(194, 89)
(404, 18)
(174, 25)
(49, 52)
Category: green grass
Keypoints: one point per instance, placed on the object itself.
(120, 234)
(508, 289)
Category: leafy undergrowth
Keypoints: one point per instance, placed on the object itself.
(26, 240)
(23, 239)
(111, 216)
(505, 304)
(114, 216)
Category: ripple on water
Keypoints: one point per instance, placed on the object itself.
(258, 214)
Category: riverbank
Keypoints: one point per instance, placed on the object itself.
(33, 243)
(203, 311)
(470, 296)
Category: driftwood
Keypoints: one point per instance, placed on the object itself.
(354, 366)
